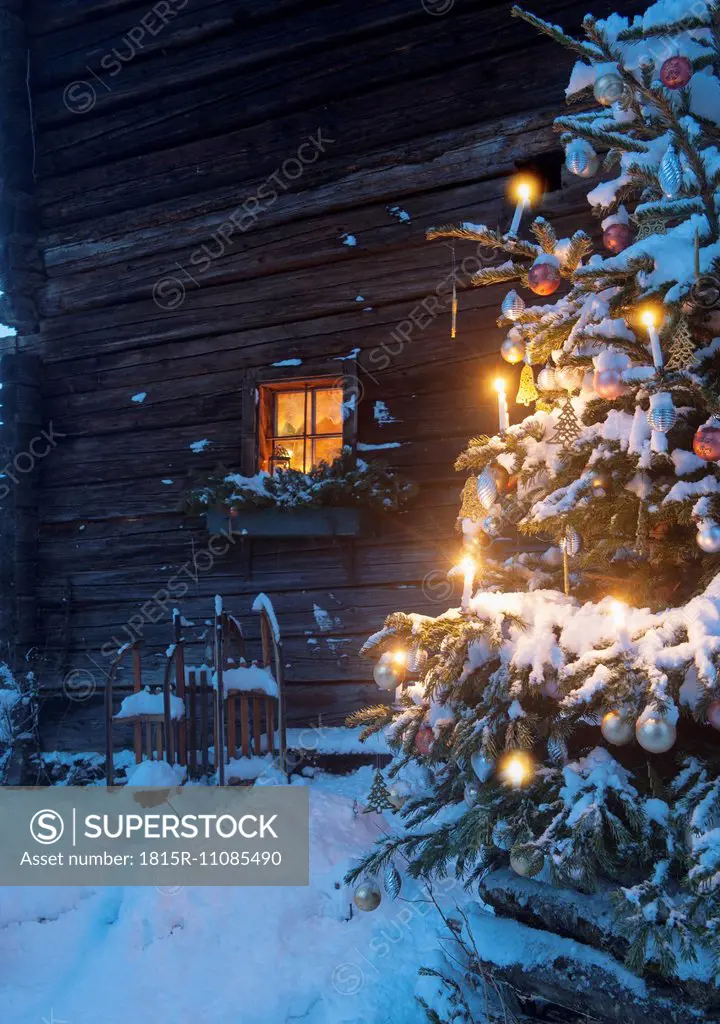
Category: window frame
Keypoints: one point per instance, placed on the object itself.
(255, 411)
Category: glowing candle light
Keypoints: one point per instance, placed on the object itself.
(467, 567)
(503, 416)
(649, 318)
(523, 191)
(618, 613)
(516, 769)
(399, 657)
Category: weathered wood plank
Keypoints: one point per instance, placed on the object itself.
(202, 44)
(299, 245)
(441, 158)
(349, 127)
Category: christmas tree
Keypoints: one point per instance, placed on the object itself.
(566, 717)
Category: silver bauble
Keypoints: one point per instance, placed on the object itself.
(617, 729)
(416, 661)
(482, 767)
(492, 526)
(570, 377)
(398, 794)
(471, 793)
(670, 174)
(513, 305)
(546, 379)
(367, 896)
(392, 881)
(513, 349)
(609, 88)
(708, 538)
(581, 159)
(655, 734)
(527, 864)
(487, 489)
(662, 417)
(386, 674)
(571, 542)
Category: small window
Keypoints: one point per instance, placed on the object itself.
(300, 423)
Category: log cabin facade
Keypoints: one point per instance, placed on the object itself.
(209, 206)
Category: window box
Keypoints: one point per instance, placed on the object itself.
(327, 521)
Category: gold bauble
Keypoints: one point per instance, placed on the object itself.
(617, 729)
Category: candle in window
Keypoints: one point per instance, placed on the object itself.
(650, 318)
(522, 190)
(503, 417)
(467, 567)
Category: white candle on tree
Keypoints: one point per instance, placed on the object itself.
(618, 612)
(468, 570)
(522, 204)
(522, 189)
(650, 319)
(503, 416)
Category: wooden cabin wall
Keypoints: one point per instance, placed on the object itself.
(154, 125)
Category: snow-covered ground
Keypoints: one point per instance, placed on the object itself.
(225, 955)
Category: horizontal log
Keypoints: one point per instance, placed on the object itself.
(408, 560)
(200, 49)
(440, 159)
(245, 158)
(574, 976)
(285, 249)
(50, 17)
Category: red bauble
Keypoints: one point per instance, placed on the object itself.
(424, 740)
(706, 443)
(676, 72)
(544, 278)
(608, 384)
(618, 236)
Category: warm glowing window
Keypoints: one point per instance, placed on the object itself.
(300, 423)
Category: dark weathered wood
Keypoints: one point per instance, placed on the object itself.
(429, 116)
(204, 725)
(441, 160)
(245, 725)
(192, 725)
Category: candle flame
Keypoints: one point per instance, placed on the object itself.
(649, 316)
(499, 385)
(523, 188)
(517, 768)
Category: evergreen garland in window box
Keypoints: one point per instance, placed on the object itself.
(334, 499)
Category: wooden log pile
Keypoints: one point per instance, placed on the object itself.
(573, 956)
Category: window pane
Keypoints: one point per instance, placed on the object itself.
(290, 411)
(328, 411)
(296, 448)
(326, 449)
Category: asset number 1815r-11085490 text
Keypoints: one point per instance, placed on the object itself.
(210, 858)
